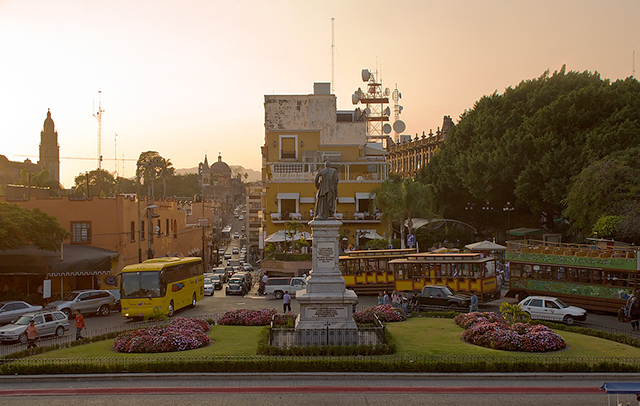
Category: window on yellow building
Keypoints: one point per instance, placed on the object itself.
(288, 148)
(132, 231)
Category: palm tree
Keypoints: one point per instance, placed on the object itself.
(402, 200)
(149, 164)
(292, 227)
(166, 171)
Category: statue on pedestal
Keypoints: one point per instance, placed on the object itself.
(327, 185)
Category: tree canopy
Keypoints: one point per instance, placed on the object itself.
(528, 145)
(20, 226)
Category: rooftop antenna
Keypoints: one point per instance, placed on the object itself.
(115, 153)
(333, 60)
(633, 72)
(98, 116)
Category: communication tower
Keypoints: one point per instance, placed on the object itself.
(98, 116)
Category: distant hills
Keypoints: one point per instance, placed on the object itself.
(253, 176)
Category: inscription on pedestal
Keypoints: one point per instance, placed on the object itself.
(325, 253)
(325, 312)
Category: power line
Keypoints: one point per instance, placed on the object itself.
(74, 157)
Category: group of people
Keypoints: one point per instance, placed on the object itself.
(32, 330)
(400, 300)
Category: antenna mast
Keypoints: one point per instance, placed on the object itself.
(115, 153)
(333, 60)
(633, 73)
(98, 116)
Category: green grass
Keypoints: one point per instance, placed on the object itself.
(416, 336)
(226, 340)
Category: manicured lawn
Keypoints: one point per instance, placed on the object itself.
(416, 336)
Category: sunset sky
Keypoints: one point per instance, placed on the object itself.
(189, 77)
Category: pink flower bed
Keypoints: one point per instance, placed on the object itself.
(385, 313)
(246, 317)
(180, 335)
(490, 330)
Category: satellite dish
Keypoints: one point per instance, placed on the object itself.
(400, 109)
(387, 111)
(367, 111)
(399, 126)
(365, 75)
(355, 99)
(386, 128)
(387, 92)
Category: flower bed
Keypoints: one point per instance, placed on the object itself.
(246, 317)
(180, 335)
(385, 313)
(490, 330)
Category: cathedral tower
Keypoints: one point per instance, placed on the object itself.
(49, 149)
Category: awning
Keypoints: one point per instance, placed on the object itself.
(525, 231)
(374, 149)
(486, 246)
(623, 387)
(288, 196)
(76, 260)
(364, 196)
(346, 200)
(373, 236)
(307, 200)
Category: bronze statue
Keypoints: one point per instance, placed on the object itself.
(327, 185)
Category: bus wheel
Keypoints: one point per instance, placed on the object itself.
(170, 312)
(193, 300)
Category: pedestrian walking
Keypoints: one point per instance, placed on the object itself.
(473, 306)
(32, 332)
(79, 324)
(286, 302)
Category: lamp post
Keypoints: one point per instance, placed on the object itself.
(508, 208)
(487, 208)
(150, 215)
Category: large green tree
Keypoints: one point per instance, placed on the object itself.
(20, 226)
(527, 145)
(96, 182)
(402, 200)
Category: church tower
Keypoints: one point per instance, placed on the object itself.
(49, 149)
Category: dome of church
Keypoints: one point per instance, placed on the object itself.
(220, 167)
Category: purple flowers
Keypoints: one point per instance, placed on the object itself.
(385, 313)
(490, 330)
(180, 335)
(246, 317)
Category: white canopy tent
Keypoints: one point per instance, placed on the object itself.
(485, 246)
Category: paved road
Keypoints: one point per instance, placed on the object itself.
(311, 389)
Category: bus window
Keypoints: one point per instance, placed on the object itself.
(585, 276)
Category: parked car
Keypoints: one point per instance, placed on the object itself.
(88, 301)
(227, 255)
(209, 287)
(48, 322)
(11, 309)
(552, 308)
(442, 295)
(277, 286)
(235, 287)
(248, 267)
(235, 250)
(217, 282)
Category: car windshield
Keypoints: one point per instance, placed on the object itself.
(215, 278)
(71, 296)
(207, 280)
(22, 320)
(562, 304)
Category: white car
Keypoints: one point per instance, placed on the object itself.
(553, 309)
(209, 286)
(236, 235)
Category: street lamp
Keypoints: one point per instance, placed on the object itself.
(508, 208)
(487, 208)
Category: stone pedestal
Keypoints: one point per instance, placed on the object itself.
(326, 304)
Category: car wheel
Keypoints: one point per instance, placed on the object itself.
(170, 311)
(278, 294)
(104, 310)
(569, 320)
(23, 338)
(60, 331)
(67, 313)
(193, 300)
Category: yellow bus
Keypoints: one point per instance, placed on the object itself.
(166, 284)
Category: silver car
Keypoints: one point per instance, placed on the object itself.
(551, 308)
(87, 301)
(11, 309)
(48, 322)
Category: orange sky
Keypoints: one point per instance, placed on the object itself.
(188, 78)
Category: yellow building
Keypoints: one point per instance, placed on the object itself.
(301, 133)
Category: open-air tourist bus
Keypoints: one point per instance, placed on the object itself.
(368, 272)
(461, 272)
(162, 285)
(226, 233)
(594, 277)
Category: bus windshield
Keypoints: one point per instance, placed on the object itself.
(141, 284)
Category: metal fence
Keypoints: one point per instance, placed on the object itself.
(289, 337)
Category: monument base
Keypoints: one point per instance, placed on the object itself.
(326, 310)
